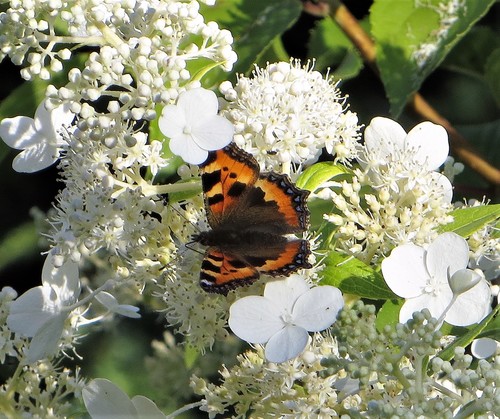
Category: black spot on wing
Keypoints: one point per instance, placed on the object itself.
(209, 180)
(214, 200)
(236, 189)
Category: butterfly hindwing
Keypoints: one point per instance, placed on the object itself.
(223, 271)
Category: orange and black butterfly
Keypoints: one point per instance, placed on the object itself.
(249, 213)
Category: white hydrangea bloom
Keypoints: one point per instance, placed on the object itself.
(436, 278)
(285, 114)
(103, 399)
(398, 197)
(193, 126)
(40, 137)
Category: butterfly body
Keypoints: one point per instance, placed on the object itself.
(249, 213)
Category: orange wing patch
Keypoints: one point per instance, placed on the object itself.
(291, 200)
(227, 174)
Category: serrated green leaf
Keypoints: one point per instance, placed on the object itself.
(19, 243)
(492, 72)
(469, 220)
(352, 276)
(413, 38)
(474, 332)
(319, 173)
(388, 315)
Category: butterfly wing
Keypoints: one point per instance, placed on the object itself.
(223, 271)
(227, 175)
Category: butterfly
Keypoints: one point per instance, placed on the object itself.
(249, 214)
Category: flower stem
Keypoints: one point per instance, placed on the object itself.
(183, 409)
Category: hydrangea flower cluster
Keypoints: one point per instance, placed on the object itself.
(406, 200)
(285, 114)
(362, 372)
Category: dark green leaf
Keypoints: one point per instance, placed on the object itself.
(352, 276)
(474, 332)
(18, 244)
(413, 38)
(492, 74)
(388, 315)
(254, 25)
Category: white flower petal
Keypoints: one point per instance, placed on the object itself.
(127, 310)
(146, 408)
(198, 105)
(317, 309)
(18, 132)
(172, 121)
(444, 184)
(448, 253)
(104, 400)
(431, 142)
(283, 293)
(255, 319)
(185, 147)
(382, 136)
(404, 271)
(463, 280)
(436, 305)
(63, 279)
(286, 344)
(107, 300)
(471, 306)
(46, 340)
(32, 310)
(49, 122)
(215, 133)
(484, 348)
(35, 158)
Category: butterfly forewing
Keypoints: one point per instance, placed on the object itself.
(227, 175)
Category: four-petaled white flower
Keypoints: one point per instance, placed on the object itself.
(285, 314)
(39, 138)
(40, 312)
(436, 278)
(105, 400)
(193, 126)
(391, 155)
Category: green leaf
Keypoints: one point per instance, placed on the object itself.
(485, 139)
(469, 220)
(470, 335)
(317, 174)
(413, 38)
(469, 56)
(330, 47)
(352, 276)
(19, 243)
(492, 71)
(191, 354)
(254, 25)
(388, 315)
